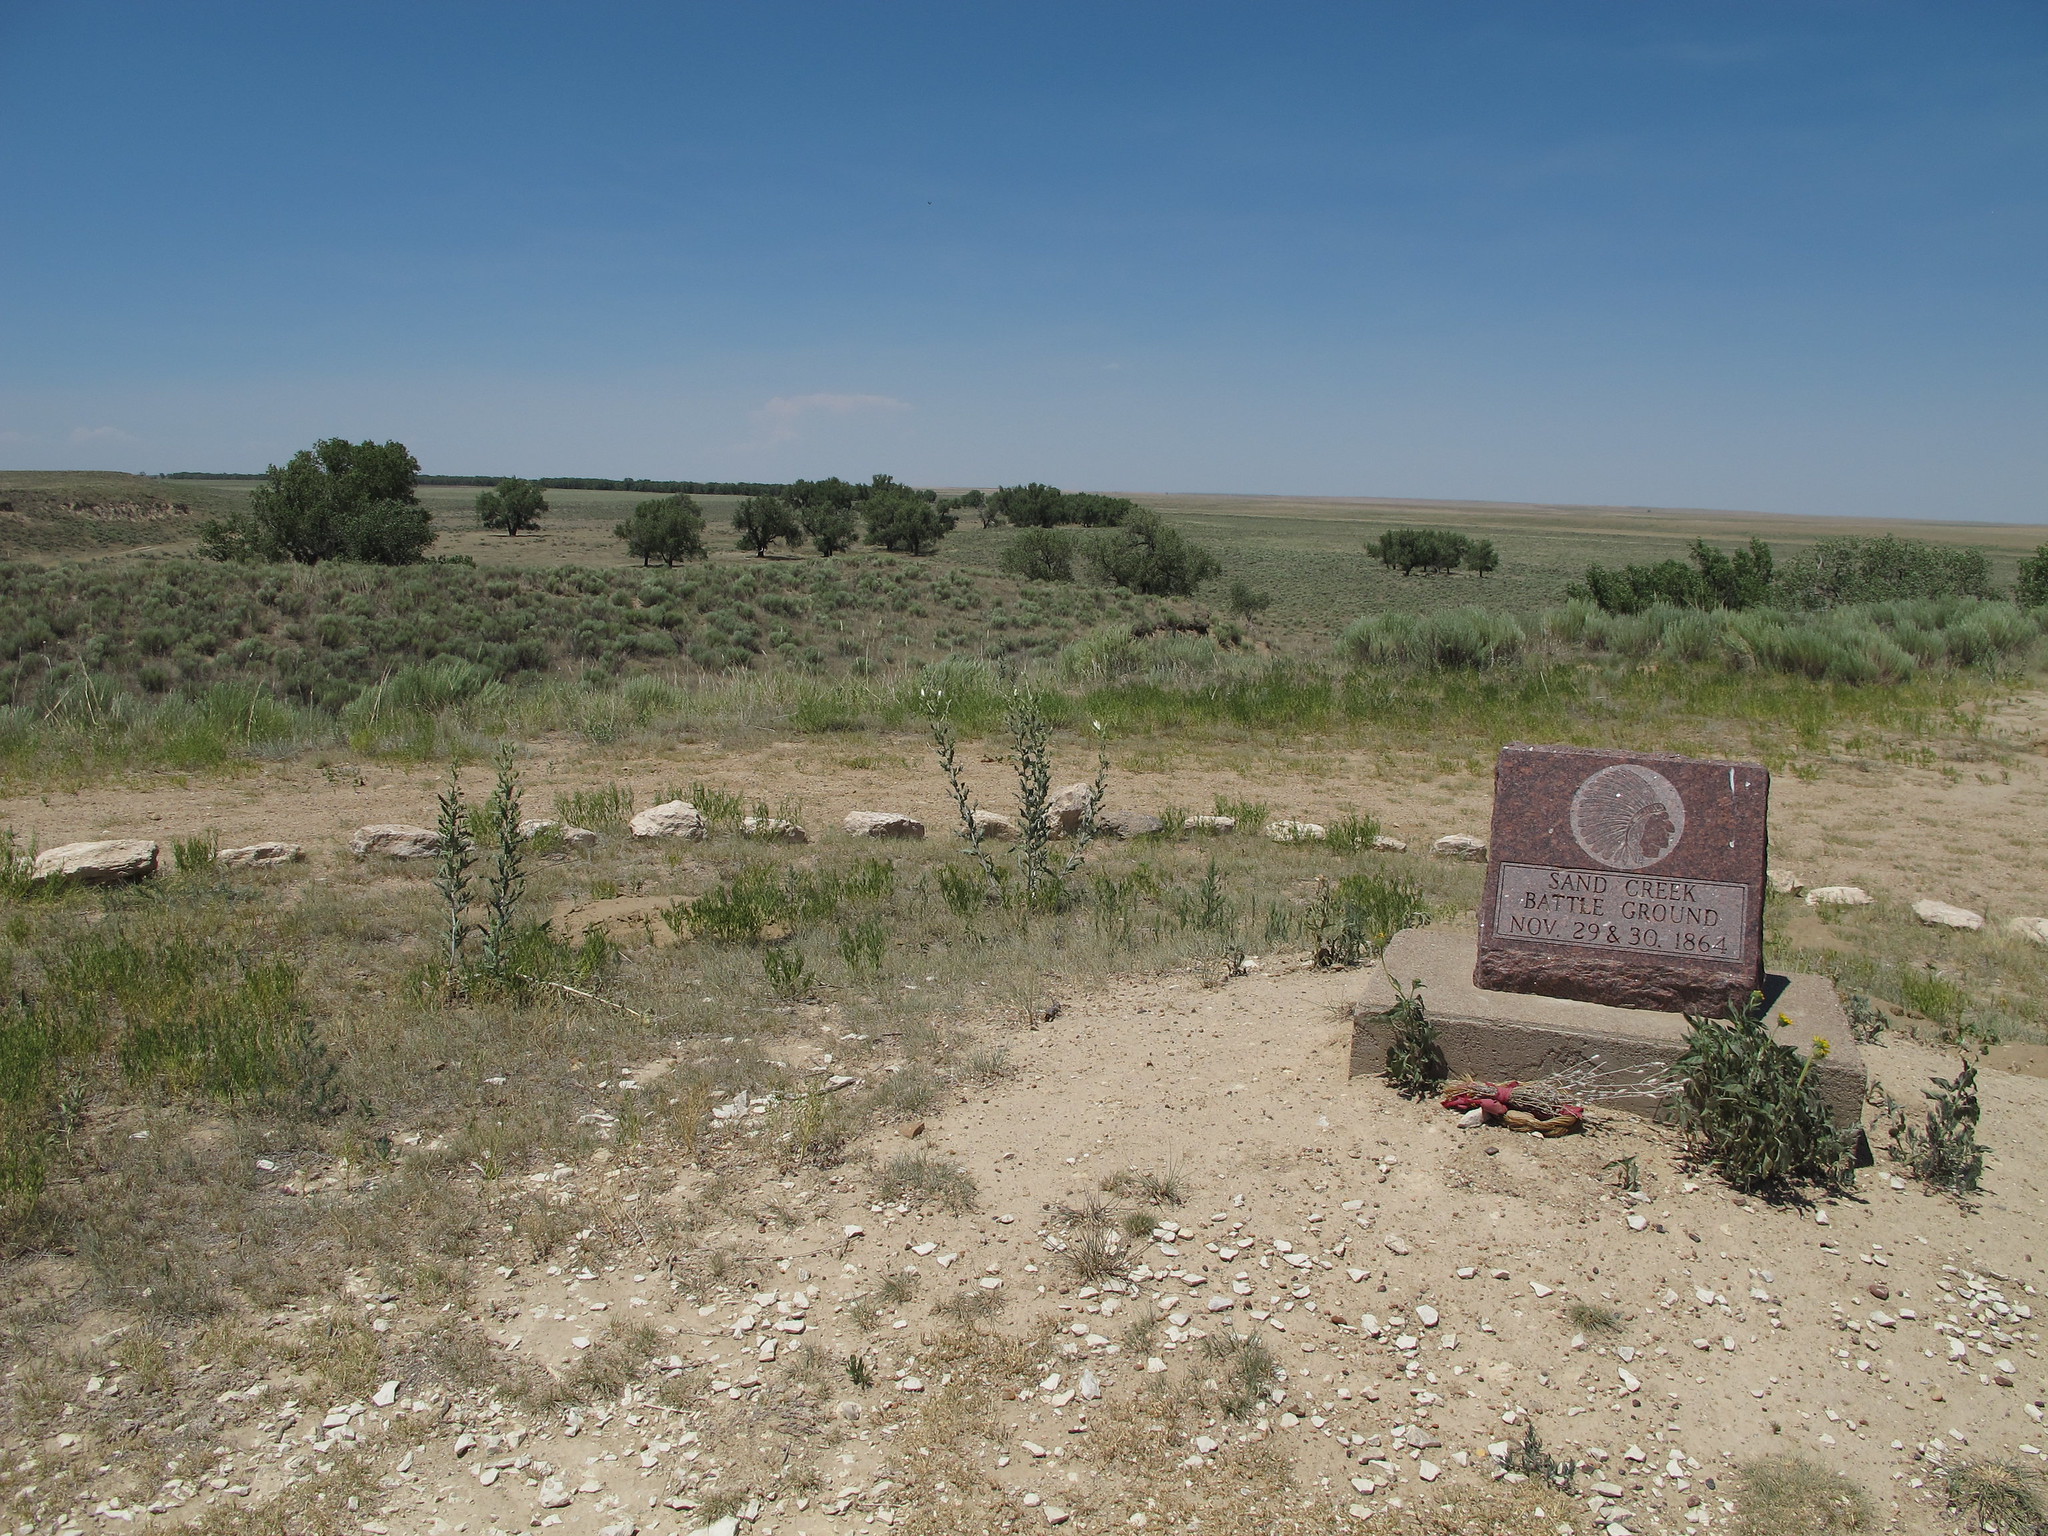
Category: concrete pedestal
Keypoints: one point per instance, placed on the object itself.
(1513, 1036)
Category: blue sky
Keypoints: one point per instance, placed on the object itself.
(1787, 256)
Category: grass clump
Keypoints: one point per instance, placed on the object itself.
(1590, 1317)
(1792, 1496)
(1751, 1108)
(975, 1304)
(1241, 1371)
(606, 809)
(1168, 1188)
(2005, 1496)
(928, 1183)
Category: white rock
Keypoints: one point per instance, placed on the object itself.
(1428, 1470)
(579, 838)
(1638, 1223)
(1091, 1386)
(260, 856)
(1426, 1315)
(102, 863)
(1939, 914)
(995, 827)
(1838, 896)
(2032, 929)
(773, 829)
(729, 1526)
(1398, 1245)
(882, 824)
(1067, 806)
(1296, 831)
(1386, 844)
(675, 818)
(385, 1395)
(394, 840)
(1472, 1119)
(1784, 882)
(1216, 824)
(1459, 845)
(1126, 823)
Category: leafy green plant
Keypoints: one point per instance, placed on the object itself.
(739, 910)
(1251, 816)
(1357, 917)
(1415, 1056)
(863, 945)
(1627, 1176)
(1532, 1460)
(788, 976)
(452, 862)
(504, 870)
(1043, 880)
(1750, 1106)
(722, 809)
(194, 854)
(859, 1372)
(1353, 834)
(1945, 1151)
(1933, 996)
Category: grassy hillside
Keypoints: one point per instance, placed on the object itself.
(82, 513)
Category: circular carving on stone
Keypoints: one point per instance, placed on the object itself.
(1628, 816)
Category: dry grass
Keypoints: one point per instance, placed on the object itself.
(1792, 1496)
(2007, 1496)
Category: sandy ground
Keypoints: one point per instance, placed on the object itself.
(1881, 1334)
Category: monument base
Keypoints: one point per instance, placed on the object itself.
(1515, 1036)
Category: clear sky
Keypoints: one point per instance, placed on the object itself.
(1784, 255)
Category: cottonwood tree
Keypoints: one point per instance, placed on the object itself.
(337, 500)
(761, 520)
(825, 508)
(513, 505)
(668, 529)
(901, 518)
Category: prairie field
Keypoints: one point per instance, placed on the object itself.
(636, 1183)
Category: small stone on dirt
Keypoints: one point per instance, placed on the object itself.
(882, 824)
(673, 818)
(1939, 914)
(1838, 896)
(1459, 845)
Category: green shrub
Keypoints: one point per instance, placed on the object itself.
(1750, 1106)
(1352, 834)
(1357, 917)
(1415, 1056)
(1040, 554)
(1944, 1151)
(1146, 554)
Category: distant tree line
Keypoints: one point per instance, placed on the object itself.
(553, 483)
(1832, 573)
(830, 514)
(1439, 550)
